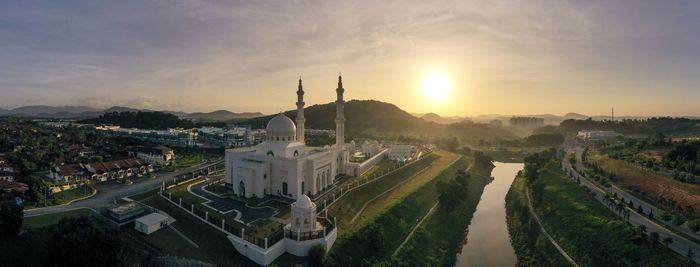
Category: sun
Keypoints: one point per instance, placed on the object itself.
(436, 87)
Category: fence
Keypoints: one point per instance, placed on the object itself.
(333, 195)
(223, 226)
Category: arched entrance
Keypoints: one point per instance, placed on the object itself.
(241, 189)
(284, 188)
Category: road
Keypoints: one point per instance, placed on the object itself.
(109, 191)
(636, 201)
(680, 244)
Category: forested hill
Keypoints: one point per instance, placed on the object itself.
(664, 125)
(143, 120)
(359, 114)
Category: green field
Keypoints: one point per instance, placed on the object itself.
(590, 233)
(50, 219)
(67, 196)
(347, 206)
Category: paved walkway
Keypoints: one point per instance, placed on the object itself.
(430, 211)
(227, 204)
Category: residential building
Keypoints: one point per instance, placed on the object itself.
(160, 155)
(7, 176)
(597, 135)
(401, 153)
(101, 171)
(526, 122)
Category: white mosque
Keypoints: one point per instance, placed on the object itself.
(283, 165)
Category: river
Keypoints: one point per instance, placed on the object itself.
(488, 241)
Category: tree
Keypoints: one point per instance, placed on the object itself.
(654, 237)
(79, 242)
(316, 254)
(651, 214)
(667, 241)
(11, 217)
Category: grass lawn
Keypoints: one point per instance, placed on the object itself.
(219, 188)
(188, 198)
(653, 186)
(66, 196)
(383, 165)
(347, 206)
(590, 233)
(50, 219)
(436, 169)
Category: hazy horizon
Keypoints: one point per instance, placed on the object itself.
(510, 57)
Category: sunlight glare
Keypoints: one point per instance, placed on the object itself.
(436, 86)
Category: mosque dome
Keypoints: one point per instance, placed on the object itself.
(303, 201)
(281, 125)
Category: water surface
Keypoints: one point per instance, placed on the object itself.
(488, 241)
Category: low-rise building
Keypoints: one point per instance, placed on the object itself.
(401, 153)
(160, 155)
(597, 135)
(101, 171)
(13, 186)
(7, 176)
(150, 223)
(4, 166)
(125, 213)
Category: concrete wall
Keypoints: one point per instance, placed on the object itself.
(267, 256)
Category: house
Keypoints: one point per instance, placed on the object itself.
(155, 155)
(118, 169)
(102, 171)
(401, 152)
(151, 223)
(7, 176)
(68, 172)
(10, 186)
(4, 166)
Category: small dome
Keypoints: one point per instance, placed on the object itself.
(303, 201)
(281, 125)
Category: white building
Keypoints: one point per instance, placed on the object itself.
(303, 232)
(155, 155)
(597, 135)
(370, 148)
(282, 164)
(401, 152)
(151, 223)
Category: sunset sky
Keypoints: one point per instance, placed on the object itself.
(506, 57)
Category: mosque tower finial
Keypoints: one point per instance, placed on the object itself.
(300, 113)
(340, 114)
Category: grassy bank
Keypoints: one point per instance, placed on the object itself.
(40, 221)
(438, 240)
(392, 226)
(590, 233)
(66, 196)
(531, 246)
(347, 207)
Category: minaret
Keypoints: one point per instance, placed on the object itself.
(300, 113)
(340, 115)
